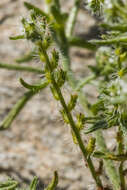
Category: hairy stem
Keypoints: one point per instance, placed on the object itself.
(71, 122)
(110, 169)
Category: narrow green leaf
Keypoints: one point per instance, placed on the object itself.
(33, 184)
(111, 41)
(20, 68)
(102, 124)
(54, 182)
(19, 37)
(57, 15)
(115, 27)
(110, 156)
(15, 110)
(34, 87)
(38, 11)
(18, 107)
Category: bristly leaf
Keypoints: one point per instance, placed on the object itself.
(110, 156)
(57, 15)
(38, 11)
(101, 124)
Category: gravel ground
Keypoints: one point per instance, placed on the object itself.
(37, 143)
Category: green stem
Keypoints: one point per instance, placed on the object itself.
(30, 6)
(72, 123)
(20, 68)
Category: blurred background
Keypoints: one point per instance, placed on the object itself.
(38, 142)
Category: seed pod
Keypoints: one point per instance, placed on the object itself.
(64, 115)
(91, 145)
(54, 92)
(55, 59)
(60, 77)
(74, 138)
(72, 103)
(80, 121)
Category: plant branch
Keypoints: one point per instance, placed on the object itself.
(71, 121)
(64, 49)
